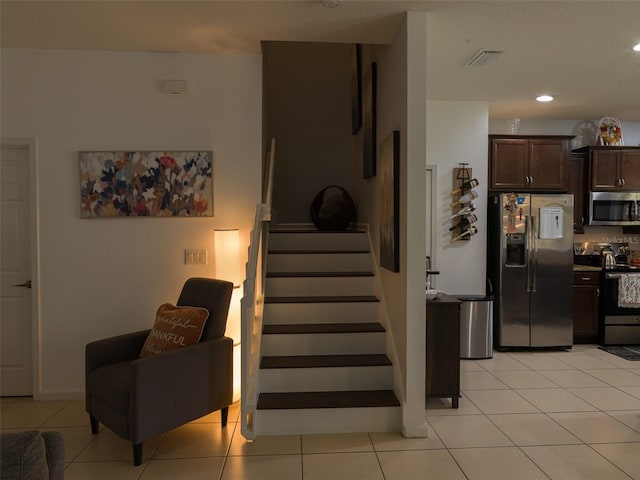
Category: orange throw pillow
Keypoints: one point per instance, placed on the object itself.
(175, 327)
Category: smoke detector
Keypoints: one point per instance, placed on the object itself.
(483, 57)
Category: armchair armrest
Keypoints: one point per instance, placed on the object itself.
(181, 385)
(114, 349)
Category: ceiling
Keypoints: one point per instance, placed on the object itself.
(577, 50)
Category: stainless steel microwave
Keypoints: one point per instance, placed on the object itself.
(614, 208)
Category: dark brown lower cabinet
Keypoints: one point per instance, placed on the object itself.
(443, 348)
(586, 305)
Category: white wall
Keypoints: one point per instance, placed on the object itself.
(583, 130)
(401, 106)
(104, 277)
(457, 132)
(308, 112)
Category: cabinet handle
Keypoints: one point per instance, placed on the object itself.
(530, 180)
(623, 182)
(597, 292)
(585, 278)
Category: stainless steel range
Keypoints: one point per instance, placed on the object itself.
(620, 286)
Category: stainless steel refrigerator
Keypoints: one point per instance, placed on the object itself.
(530, 265)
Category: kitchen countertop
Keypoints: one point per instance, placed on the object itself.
(586, 268)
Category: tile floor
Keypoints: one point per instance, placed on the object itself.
(553, 415)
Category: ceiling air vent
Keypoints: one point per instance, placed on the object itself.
(482, 57)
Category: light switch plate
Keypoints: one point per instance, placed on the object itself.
(195, 257)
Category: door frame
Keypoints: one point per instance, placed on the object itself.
(31, 145)
(431, 171)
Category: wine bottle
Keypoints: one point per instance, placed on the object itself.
(473, 183)
(465, 222)
(464, 211)
(466, 198)
(467, 232)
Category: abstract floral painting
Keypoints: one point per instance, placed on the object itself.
(146, 184)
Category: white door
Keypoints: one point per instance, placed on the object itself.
(16, 375)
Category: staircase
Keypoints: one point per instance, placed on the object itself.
(323, 367)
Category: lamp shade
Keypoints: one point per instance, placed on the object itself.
(227, 251)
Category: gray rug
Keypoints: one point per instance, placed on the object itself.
(629, 352)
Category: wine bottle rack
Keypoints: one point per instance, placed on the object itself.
(461, 176)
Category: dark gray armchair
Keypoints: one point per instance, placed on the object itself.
(138, 398)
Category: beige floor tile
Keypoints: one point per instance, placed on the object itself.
(630, 418)
(442, 406)
(500, 401)
(196, 440)
(480, 381)
(625, 456)
(184, 469)
(390, 441)
(266, 445)
(337, 443)
(503, 463)
(120, 470)
(572, 378)
(23, 414)
(106, 446)
(468, 431)
(607, 398)
(614, 359)
(533, 429)
(555, 400)
(617, 378)
(470, 366)
(341, 466)
(501, 363)
(75, 440)
(573, 462)
(633, 391)
(419, 465)
(596, 427)
(524, 379)
(540, 361)
(263, 467)
(583, 361)
(6, 401)
(71, 415)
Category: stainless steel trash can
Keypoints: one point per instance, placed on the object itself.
(476, 326)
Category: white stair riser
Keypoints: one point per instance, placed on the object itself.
(329, 420)
(323, 344)
(326, 379)
(319, 286)
(346, 312)
(319, 262)
(318, 241)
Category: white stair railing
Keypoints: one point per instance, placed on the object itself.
(252, 303)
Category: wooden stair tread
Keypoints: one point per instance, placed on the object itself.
(317, 274)
(322, 299)
(309, 230)
(321, 328)
(316, 251)
(321, 361)
(336, 399)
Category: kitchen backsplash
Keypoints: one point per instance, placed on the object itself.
(609, 234)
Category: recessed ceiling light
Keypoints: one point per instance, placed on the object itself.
(544, 98)
(636, 48)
